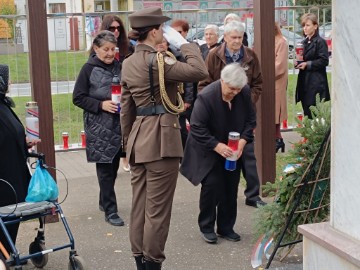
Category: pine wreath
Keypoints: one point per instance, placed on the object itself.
(314, 203)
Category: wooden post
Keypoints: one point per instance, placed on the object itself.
(264, 19)
(40, 78)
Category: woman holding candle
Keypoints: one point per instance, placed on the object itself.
(222, 107)
(92, 93)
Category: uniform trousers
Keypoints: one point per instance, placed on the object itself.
(218, 198)
(249, 170)
(153, 185)
(107, 173)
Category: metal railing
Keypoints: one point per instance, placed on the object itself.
(71, 35)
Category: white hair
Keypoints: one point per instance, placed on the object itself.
(231, 17)
(234, 26)
(213, 27)
(234, 75)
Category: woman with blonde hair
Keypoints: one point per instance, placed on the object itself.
(281, 81)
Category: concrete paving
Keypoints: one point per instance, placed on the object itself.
(103, 246)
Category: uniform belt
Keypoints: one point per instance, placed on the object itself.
(151, 110)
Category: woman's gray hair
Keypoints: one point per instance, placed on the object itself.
(104, 36)
(234, 75)
(234, 26)
(213, 27)
(231, 17)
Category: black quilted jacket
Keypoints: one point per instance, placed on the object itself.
(103, 132)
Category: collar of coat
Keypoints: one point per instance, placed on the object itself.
(144, 47)
(220, 53)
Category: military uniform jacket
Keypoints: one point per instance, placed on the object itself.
(151, 138)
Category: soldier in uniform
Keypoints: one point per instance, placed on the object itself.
(150, 105)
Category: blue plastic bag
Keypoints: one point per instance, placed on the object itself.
(42, 186)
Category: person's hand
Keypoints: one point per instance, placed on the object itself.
(32, 142)
(173, 37)
(109, 106)
(223, 150)
(187, 105)
(302, 66)
(241, 146)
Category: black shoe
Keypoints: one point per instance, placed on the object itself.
(279, 144)
(114, 220)
(149, 265)
(210, 237)
(232, 236)
(256, 204)
(101, 208)
(140, 263)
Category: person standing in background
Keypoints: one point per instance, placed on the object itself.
(13, 159)
(281, 81)
(233, 51)
(92, 93)
(211, 37)
(190, 89)
(114, 24)
(312, 79)
(150, 104)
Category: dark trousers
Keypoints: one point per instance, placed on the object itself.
(306, 109)
(218, 199)
(107, 173)
(153, 187)
(249, 170)
(182, 121)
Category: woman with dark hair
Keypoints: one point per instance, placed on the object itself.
(312, 79)
(281, 81)
(150, 104)
(115, 25)
(92, 93)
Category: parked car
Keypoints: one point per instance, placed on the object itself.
(197, 35)
(292, 39)
(325, 30)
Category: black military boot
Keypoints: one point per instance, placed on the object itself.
(152, 265)
(140, 264)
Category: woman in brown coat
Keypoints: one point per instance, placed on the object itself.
(281, 81)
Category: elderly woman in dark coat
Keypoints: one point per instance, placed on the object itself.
(92, 93)
(312, 79)
(222, 107)
(13, 145)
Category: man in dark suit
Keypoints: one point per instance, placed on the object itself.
(222, 107)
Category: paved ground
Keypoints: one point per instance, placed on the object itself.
(106, 247)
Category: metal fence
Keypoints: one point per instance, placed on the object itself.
(70, 36)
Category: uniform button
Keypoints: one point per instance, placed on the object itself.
(174, 125)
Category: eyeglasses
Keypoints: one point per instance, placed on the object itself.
(113, 28)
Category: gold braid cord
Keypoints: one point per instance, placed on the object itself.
(169, 106)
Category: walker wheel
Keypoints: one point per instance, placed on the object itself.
(77, 263)
(41, 260)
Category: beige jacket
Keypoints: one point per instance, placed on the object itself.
(281, 79)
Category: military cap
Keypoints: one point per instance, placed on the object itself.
(147, 17)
